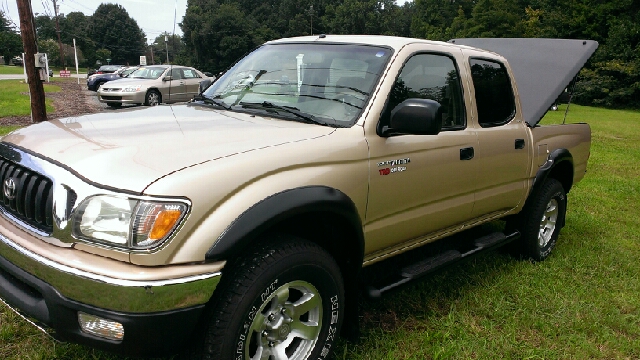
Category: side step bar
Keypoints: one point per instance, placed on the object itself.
(438, 261)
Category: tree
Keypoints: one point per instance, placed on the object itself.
(174, 44)
(46, 27)
(216, 35)
(102, 55)
(10, 41)
(112, 28)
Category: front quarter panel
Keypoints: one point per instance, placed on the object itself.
(223, 189)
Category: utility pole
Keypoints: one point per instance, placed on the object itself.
(152, 62)
(28, 33)
(63, 60)
(166, 45)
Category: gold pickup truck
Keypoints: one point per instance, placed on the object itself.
(235, 226)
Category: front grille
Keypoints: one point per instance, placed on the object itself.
(26, 195)
(111, 97)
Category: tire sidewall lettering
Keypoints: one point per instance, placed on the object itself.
(331, 315)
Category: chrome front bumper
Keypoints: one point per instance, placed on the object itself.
(132, 296)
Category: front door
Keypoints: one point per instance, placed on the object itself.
(420, 184)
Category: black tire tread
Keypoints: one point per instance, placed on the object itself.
(528, 221)
(236, 282)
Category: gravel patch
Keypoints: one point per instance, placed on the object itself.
(73, 100)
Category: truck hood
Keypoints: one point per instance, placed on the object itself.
(543, 68)
(130, 149)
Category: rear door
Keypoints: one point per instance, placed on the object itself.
(178, 88)
(192, 82)
(504, 145)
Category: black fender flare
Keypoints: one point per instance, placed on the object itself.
(280, 206)
(556, 157)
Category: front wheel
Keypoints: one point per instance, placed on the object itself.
(541, 220)
(283, 302)
(152, 98)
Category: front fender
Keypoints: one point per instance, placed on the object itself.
(277, 208)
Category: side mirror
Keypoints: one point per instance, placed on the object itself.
(415, 116)
(167, 78)
(207, 74)
(204, 84)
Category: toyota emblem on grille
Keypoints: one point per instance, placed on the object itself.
(9, 189)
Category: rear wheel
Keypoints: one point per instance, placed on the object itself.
(283, 302)
(541, 220)
(152, 98)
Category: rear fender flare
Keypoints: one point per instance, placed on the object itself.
(555, 159)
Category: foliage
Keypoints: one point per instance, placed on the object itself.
(174, 45)
(217, 32)
(10, 41)
(112, 28)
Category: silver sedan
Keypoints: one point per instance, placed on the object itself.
(152, 85)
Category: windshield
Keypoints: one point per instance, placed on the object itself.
(329, 82)
(151, 72)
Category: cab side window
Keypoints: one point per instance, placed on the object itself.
(434, 77)
(494, 95)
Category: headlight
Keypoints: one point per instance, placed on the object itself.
(126, 222)
(132, 88)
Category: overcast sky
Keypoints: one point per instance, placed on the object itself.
(153, 16)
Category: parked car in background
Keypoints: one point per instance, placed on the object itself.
(17, 61)
(96, 80)
(108, 69)
(152, 85)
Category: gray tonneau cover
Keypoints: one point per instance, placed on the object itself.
(543, 68)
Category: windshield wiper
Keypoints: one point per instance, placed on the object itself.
(287, 109)
(211, 101)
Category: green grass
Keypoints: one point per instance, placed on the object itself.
(10, 69)
(14, 98)
(583, 302)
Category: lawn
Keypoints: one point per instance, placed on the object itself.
(14, 98)
(10, 69)
(582, 302)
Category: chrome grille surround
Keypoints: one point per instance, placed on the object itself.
(68, 190)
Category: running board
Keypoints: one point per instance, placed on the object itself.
(438, 261)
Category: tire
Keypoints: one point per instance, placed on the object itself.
(152, 98)
(541, 220)
(285, 301)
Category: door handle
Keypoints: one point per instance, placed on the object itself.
(519, 144)
(467, 153)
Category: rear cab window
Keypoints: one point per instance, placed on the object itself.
(494, 96)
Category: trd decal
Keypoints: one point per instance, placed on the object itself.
(394, 162)
(393, 168)
(387, 171)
